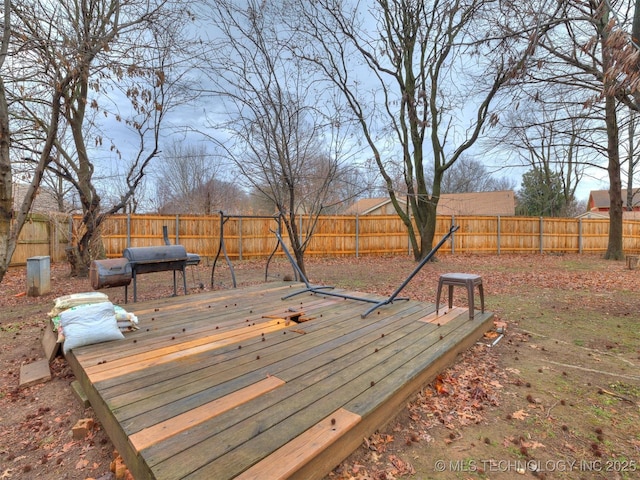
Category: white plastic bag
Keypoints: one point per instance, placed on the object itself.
(69, 301)
(89, 324)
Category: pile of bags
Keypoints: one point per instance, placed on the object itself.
(89, 317)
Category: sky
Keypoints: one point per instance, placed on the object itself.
(195, 118)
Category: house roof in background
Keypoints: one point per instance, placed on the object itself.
(604, 215)
(599, 199)
(365, 206)
(475, 203)
(502, 202)
(44, 202)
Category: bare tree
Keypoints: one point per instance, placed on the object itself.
(553, 137)
(586, 48)
(270, 118)
(470, 175)
(43, 130)
(421, 76)
(90, 52)
(190, 179)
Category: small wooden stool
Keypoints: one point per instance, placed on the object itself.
(464, 280)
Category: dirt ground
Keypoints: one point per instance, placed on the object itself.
(556, 396)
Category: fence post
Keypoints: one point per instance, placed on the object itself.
(51, 234)
(579, 235)
(240, 238)
(499, 237)
(541, 236)
(70, 238)
(128, 230)
(357, 235)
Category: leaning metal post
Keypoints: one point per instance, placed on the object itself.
(223, 248)
(415, 271)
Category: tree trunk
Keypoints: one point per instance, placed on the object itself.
(427, 230)
(89, 246)
(296, 244)
(6, 196)
(614, 248)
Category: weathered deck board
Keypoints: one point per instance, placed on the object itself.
(221, 385)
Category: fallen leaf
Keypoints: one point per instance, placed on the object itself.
(68, 446)
(570, 447)
(533, 445)
(438, 384)
(520, 415)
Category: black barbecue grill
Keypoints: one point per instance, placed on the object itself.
(118, 272)
(156, 259)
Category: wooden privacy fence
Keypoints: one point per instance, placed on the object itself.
(43, 234)
(248, 237)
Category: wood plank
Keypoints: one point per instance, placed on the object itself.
(274, 421)
(171, 320)
(50, 342)
(127, 379)
(287, 363)
(222, 360)
(178, 351)
(269, 350)
(162, 331)
(219, 297)
(180, 423)
(444, 315)
(80, 395)
(301, 360)
(289, 458)
(34, 373)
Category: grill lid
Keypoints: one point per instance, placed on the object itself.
(164, 253)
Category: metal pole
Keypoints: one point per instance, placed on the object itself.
(453, 243)
(430, 255)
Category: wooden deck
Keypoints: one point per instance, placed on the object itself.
(221, 385)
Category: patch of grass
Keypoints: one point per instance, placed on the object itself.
(516, 452)
(49, 440)
(10, 328)
(601, 412)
